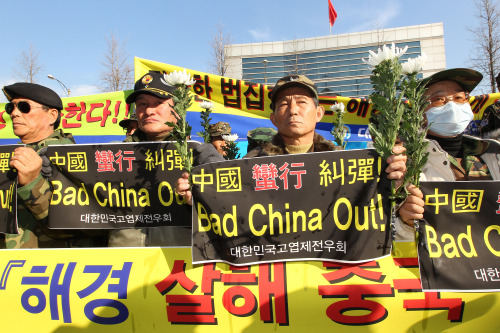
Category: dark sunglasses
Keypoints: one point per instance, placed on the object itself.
(24, 107)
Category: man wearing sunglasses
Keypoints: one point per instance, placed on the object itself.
(453, 156)
(35, 112)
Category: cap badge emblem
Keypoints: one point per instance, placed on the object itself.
(147, 79)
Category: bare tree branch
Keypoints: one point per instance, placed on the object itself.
(378, 30)
(28, 66)
(218, 61)
(117, 72)
(295, 64)
(486, 55)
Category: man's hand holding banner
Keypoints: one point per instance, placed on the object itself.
(316, 206)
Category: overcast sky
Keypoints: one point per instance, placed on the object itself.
(70, 35)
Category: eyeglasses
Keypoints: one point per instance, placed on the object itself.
(459, 98)
(24, 107)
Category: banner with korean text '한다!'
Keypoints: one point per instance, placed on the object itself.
(90, 119)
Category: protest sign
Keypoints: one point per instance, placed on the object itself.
(459, 240)
(119, 185)
(8, 191)
(315, 206)
(159, 289)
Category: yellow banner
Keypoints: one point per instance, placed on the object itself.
(91, 115)
(242, 103)
(233, 95)
(158, 289)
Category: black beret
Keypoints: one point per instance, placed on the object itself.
(152, 83)
(34, 92)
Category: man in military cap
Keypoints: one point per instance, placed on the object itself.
(259, 136)
(216, 132)
(296, 111)
(453, 156)
(129, 125)
(154, 107)
(35, 112)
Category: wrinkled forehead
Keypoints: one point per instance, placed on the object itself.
(443, 88)
(293, 91)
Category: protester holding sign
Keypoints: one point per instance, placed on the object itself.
(35, 111)
(452, 155)
(296, 111)
(154, 107)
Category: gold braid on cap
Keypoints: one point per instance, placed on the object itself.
(163, 92)
(9, 98)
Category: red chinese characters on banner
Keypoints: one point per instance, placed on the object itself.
(498, 201)
(265, 175)
(431, 300)
(356, 294)
(2, 122)
(200, 309)
(105, 160)
(72, 115)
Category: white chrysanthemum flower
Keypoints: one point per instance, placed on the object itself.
(414, 65)
(230, 137)
(386, 53)
(178, 78)
(206, 105)
(337, 107)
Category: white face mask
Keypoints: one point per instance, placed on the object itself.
(450, 119)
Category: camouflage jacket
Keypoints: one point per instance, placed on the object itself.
(34, 199)
(481, 161)
(33, 207)
(277, 147)
(139, 136)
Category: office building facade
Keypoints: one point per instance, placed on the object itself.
(334, 62)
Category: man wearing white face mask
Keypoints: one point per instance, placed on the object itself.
(452, 155)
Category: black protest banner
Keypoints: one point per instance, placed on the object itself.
(315, 206)
(8, 191)
(459, 239)
(120, 185)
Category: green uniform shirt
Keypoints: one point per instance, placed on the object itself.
(33, 208)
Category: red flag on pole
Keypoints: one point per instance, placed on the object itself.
(332, 13)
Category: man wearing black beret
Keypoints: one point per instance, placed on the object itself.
(35, 112)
